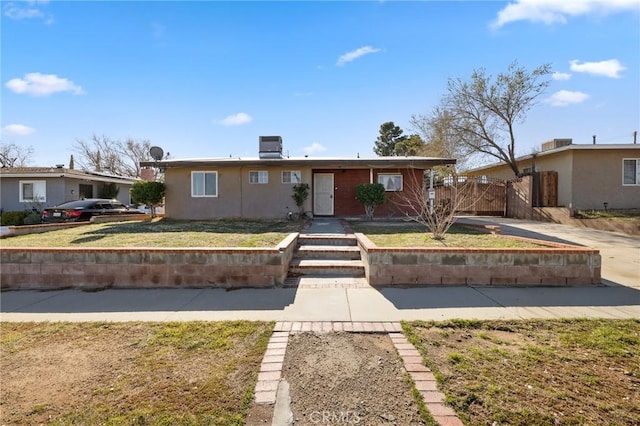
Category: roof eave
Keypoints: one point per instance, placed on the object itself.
(317, 162)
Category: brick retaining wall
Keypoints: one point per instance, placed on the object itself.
(99, 268)
(558, 264)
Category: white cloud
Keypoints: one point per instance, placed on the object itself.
(17, 130)
(355, 54)
(557, 11)
(565, 97)
(561, 76)
(237, 119)
(27, 10)
(36, 84)
(314, 148)
(610, 68)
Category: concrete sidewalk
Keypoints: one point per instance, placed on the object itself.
(322, 304)
(328, 299)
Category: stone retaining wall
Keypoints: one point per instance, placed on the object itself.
(558, 264)
(100, 268)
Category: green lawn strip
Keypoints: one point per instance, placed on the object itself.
(188, 373)
(535, 372)
(164, 233)
(414, 235)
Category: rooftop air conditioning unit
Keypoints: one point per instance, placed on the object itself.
(270, 147)
(556, 143)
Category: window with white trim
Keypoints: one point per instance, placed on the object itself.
(291, 176)
(33, 191)
(204, 184)
(391, 182)
(631, 171)
(258, 176)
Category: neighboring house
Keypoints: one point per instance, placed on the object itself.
(588, 175)
(26, 188)
(262, 187)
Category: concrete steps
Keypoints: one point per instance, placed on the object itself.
(328, 252)
(327, 255)
(332, 267)
(327, 239)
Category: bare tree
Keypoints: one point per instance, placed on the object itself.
(484, 111)
(457, 193)
(12, 155)
(440, 139)
(121, 158)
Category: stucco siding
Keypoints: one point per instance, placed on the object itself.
(237, 197)
(598, 179)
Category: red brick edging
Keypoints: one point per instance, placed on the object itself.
(271, 367)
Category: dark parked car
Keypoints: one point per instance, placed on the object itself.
(83, 210)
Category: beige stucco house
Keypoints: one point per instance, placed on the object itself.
(262, 187)
(588, 175)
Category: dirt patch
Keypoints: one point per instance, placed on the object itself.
(348, 378)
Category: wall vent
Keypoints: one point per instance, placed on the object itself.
(270, 147)
(556, 143)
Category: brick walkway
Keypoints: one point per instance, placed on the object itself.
(425, 381)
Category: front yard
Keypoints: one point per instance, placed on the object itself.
(130, 373)
(163, 233)
(408, 234)
(529, 372)
(564, 372)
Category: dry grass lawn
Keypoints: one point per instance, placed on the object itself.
(565, 372)
(407, 234)
(164, 233)
(195, 373)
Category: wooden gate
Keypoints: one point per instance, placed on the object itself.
(475, 195)
(539, 189)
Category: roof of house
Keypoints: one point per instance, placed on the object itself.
(570, 147)
(339, 162)
(49, 172)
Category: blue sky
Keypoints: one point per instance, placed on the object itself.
(207, 78)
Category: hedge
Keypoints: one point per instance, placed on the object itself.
(16, 218)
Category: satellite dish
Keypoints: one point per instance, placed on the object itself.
(156, 153)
